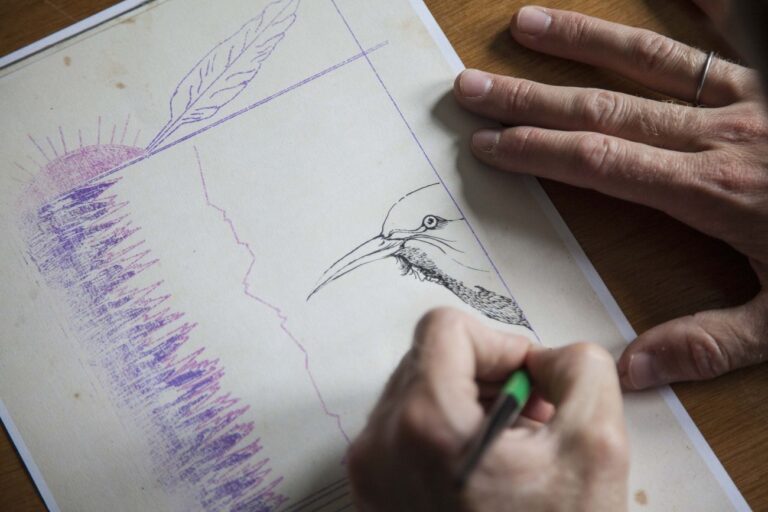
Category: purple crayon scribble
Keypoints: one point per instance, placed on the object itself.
(281, 316)
(225, 72)
(202, 445)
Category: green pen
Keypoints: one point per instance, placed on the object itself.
(512, 398)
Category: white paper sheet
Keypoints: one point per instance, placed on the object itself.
(198, 232)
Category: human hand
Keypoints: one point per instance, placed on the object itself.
(572, 455)
(707, 167)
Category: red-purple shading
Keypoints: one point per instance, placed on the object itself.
(202, 445)
(79, 166)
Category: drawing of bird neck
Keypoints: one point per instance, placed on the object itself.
(491, 304)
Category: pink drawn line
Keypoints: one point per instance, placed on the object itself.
(52, 147)
(63, 142)
(125, 128)
(280, 315)
(38, 147)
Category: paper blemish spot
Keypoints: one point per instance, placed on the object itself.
(67, 60)
(120, 85)
(641, 498)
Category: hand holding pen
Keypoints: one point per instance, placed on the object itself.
(567, 451)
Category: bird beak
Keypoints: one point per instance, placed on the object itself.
(377, 248)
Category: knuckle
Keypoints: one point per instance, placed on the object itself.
(517, 141)
(706, 354)
(729, 176)
(741, 127)
(689, 124)
(602, 109)
(411, 420)
(516, 94)
(597, 153)
(606, 442)
(437, 320)
(578, 29)
(581, 359)
(652, 51)
(419, 426)
(589, 354)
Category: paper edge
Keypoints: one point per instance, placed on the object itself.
(597, 284)
(26, 457)
(70, 31)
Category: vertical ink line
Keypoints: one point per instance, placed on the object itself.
(421, 148)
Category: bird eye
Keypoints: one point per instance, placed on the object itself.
(430, 222)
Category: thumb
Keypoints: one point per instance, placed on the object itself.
(701, 346)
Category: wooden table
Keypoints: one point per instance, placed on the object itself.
(656, 268)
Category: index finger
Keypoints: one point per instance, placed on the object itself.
(451, 344)
(656, 177)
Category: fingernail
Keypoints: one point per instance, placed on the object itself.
(533, 21)
(486, 140)
(641, 372)
(474, 83)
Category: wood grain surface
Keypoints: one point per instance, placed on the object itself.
(656, 268)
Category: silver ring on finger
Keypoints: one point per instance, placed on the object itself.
(703, 79)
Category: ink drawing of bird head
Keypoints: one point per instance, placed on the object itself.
(431, 241)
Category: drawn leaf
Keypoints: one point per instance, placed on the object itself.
(227, 70)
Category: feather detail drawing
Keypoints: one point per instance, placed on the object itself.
(225, 72)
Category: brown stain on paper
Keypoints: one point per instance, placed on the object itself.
(67, 60)
(641, 498)
(120, 85)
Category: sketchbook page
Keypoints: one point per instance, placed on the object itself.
(221, 222)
